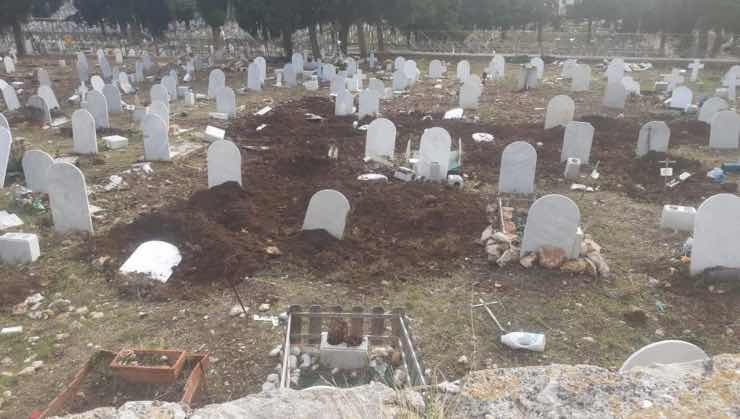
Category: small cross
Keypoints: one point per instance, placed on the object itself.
(695, 67)
(667, 171)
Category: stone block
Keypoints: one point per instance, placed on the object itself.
(678, 218)
(16, 248)
(572, 168)
(343, 357)
(115, 142)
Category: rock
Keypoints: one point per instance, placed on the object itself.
(588, 339)
(486, 235)
(81, 311)
(463, 360)
(399, 377)
(396, 358)
(97, 315)
(576, 266)
(500, 237)
(264, 307)
(379, 352)
(659, 332)
(295, 350)
(61, 336)
(729, 332)
(600, 263)
(550, 257)
(26, 371)
(236, 310)
(494, 251)
(589, 246)
(448, 387)
(268, 387)
(528, 260)
(635, 315)
(273, 251)
(60, 306)
(143, 314)
(273, 378)
(305, 361)
(511, 255)
(275, 352)
(6, 362)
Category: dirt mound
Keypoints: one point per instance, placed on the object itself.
(224, 232)
(16, 287)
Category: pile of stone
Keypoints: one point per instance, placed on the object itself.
(503, 247)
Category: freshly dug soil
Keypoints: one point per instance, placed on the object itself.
(224, 232)
(16, 286)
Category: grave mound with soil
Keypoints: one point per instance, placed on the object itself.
(224, 233)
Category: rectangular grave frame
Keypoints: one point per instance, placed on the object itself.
(370, 324)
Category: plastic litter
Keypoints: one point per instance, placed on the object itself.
(523, 340)
(717, 175)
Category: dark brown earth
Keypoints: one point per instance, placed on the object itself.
(224, 232)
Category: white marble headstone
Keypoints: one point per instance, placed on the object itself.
(553, 220)
(369, 103)
(381, 139)
(434, 154)
(344, 103)
(615, 95)
(161, 109)
(577, 141)
(43, 77)
(170, 83)
(97, 83)
(216, 81)
(97, 105)
(463, 70)
(654, 136)
(470, 92)
(39, 109)
(70, 209)
(518, 166)
(716, 234)
(725, 130)
(327, 210)
(84, 134)
(10, 97)
(682, 97)
(400, 81)
(435, 69)
(113, 98)
(47, 93)
(224, 163)
(158, 92)
(226, 101)
(290, 76)
(539, 64)
(36, 164)
(156, 138)
(254, 77)
(6, 141)
(581, 78)
(710, 108)
(615, 71)
(560, 111)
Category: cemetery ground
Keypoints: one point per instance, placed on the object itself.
(407, 245)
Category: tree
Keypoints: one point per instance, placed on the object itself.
(16, 12)
(182, 10)
(214, 13)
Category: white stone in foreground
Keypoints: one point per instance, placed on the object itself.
(665, 352)
(156, 259)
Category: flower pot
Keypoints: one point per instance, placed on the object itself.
(161, 372)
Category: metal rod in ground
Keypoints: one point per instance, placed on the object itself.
(238, 298)
(490, 313)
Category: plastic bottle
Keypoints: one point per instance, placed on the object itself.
(523, 340)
